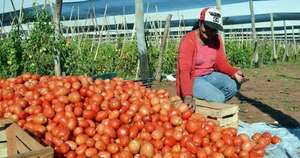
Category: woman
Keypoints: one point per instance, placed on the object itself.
(202, 68)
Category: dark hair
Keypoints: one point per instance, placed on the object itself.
(196, 25)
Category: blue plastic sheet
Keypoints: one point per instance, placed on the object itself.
(289, 147)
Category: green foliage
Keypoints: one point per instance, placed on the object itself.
(92, 58)
(11, 54)
(170, 57)
(41, 46)
(82, 56)
(239, 54)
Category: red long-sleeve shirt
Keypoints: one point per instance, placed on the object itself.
(186, 70)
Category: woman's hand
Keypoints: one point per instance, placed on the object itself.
(240, 77)
(190, 102)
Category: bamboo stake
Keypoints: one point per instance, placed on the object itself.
(133, 32)
(184, 26)
(219, 7)
(101, 31)
(286, 52)
(102, 26)
(157, 31)
(162, 48)
(242, 37)
(77, 24)
(254, 38)
(79, 37)
(21, 13)
(274, 54)
(179, 23)
(294, 42)
(3, 16)
(15, 12)
(72, 27)
(125, 28)
(117, 29)
(94, 23)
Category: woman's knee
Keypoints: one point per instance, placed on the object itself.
(233, 86)
(213, 97)
(218, 98)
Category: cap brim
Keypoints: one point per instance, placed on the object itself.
(214, 25)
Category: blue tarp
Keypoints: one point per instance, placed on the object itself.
(289, 147)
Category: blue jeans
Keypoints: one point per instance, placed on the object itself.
(215, 87)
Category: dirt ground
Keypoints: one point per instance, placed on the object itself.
(271, 95)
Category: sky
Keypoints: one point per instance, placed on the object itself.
(260, 7)
(228, 10)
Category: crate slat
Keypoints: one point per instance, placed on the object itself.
(11, 144)
(216, 112)
(226, 115)
(226, 121)
(46, 152)
(233, 124)
(3, 150)
(2, 136)
(213, 105)
(5, 121)
(30, 142)
(21, 147)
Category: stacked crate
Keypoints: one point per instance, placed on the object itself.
(15, 142)
(226, 115)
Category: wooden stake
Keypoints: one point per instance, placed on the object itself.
(274, 54)
(219, 7)
(286, 51)
(100, 35)
(254, 40)
(294, 43)
(162, 48)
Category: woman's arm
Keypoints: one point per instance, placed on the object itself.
(222, 64)
(186, 51)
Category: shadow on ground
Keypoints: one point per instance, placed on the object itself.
(283, 119)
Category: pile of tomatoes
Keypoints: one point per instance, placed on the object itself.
(118, 118)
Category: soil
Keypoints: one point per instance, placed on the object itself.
(271, 95)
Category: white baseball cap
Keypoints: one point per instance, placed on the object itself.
(212, 18)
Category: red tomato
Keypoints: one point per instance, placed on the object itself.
(191, 126)
(256, 136)
(169, 141)
(275, 140)
(186, 115)
(191, 147)
(123, 131)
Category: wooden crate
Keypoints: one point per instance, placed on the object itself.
(226, 115)
(15, 143)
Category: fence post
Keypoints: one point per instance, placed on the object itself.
(253, 35)
(162, 48)
(57, 14)
(141, 43)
